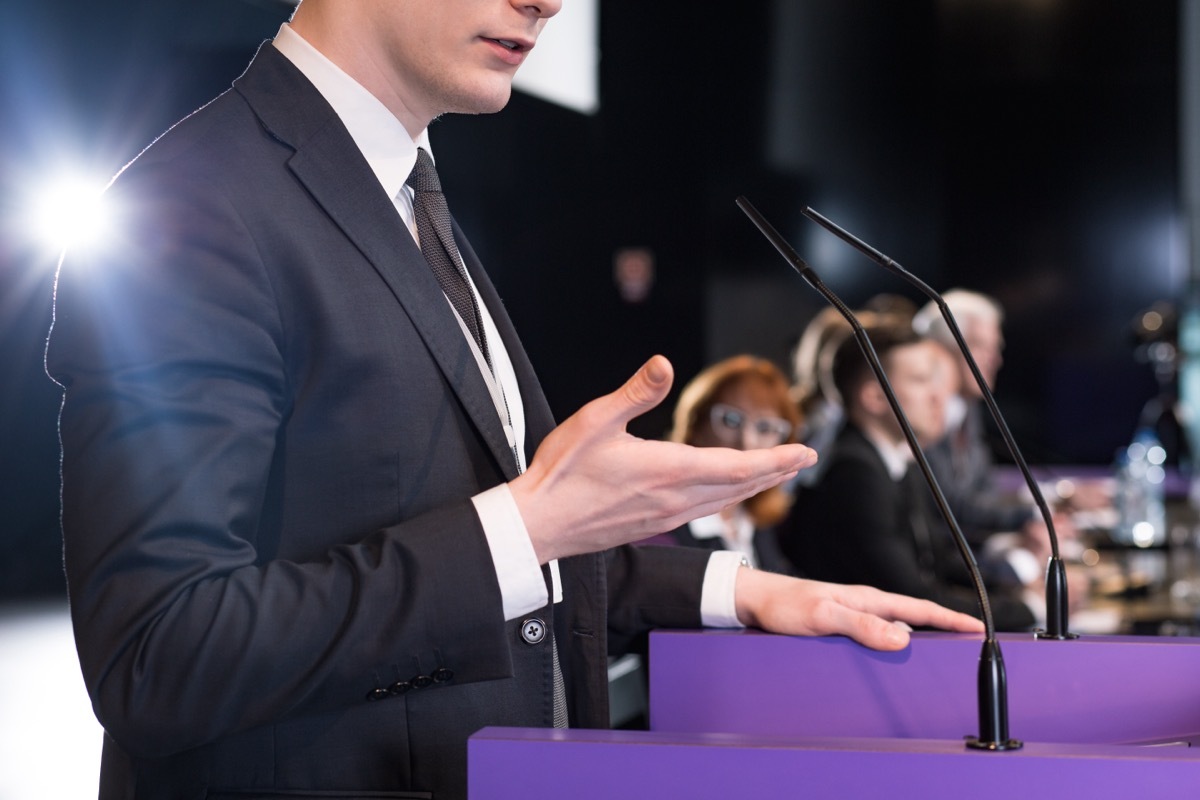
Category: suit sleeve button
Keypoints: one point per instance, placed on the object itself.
(420, 681)
(378, 694)
(399, 688)
(533, 630)
(441, 675)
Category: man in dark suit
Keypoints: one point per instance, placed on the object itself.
(869, 518)
(306, 554)
(962, 458)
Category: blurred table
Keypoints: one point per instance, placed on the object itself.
(1154, 590)
(1128, 590)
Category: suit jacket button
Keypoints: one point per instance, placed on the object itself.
(533, 630)
(420, 681)
(399, 687)
(441, 675)
(378, 694)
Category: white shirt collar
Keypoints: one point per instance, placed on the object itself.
(896, 455)
(956, 412)
(383, 140)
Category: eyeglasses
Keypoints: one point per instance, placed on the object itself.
(731, 420)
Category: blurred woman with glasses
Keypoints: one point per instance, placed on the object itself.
(744, 403)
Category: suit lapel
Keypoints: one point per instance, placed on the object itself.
(330, 166)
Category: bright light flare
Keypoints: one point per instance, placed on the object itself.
(69, 212)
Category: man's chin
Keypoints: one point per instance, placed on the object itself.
(484, 102)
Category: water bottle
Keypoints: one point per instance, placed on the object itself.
(1139, 499)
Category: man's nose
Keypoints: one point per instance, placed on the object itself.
(543, 8)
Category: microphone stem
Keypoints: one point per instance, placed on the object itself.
(993, 702)
(1056, 581)
(993, 688)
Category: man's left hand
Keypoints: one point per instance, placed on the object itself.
(877, 619)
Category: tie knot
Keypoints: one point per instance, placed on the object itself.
(424, 177)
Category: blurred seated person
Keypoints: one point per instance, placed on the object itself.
(1014, 562)
(812, 382)
(870, 518)
(962, 460)
(742, 403)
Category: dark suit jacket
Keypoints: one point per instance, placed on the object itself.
(272, 427)
(857, 525)
(963, 464)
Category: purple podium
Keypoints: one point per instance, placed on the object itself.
(746, 714)
(1094, 690)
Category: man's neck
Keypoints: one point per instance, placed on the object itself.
(332, 34)
(888, 440)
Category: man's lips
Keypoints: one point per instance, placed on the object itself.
(513, 44)
(511, 51)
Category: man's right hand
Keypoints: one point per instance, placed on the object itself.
(592, 485)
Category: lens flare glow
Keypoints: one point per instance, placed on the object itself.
(67, 212)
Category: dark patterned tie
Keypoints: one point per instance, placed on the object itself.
(440, 250)
(438, 247)
(559, 688)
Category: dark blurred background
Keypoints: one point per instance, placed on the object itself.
(1029, 149)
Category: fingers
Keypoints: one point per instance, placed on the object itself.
(756, 469)
(882, 620)
(594, 483)
(888, 627)
(922, 613)
(873, 618)
(703, 480)
(653, 379)
(954, 621)
(646, 389)
(876, 633)
(837, 613)
(611, 413)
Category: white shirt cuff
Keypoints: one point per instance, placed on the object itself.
(718, 608)
(522, 587)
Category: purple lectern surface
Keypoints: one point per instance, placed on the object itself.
(741, 714)
(541, 764)
(1093, 690)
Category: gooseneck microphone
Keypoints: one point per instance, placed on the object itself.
(992, 685)
(1056, 572)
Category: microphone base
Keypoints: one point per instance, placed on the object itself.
(1054, 637)
(975, 743)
